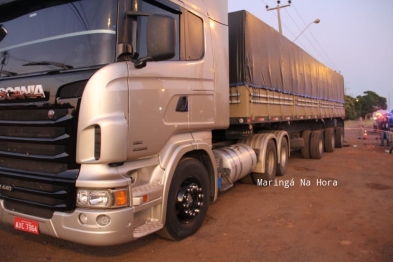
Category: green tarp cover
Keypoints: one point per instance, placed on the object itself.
(261, 57)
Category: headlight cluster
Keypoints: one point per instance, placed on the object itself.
(108, 198)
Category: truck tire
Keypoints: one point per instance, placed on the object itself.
(270, 164)
(316, 144)
(330, 141)
(188, 200)
(305, 150)
(283, 165)
(339, 137)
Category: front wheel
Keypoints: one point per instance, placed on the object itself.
(188, 200)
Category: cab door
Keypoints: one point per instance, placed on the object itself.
(156, 89)
(197, 50)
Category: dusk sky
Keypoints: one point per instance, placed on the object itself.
(353, 37)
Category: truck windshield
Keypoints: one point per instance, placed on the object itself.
(75, 34)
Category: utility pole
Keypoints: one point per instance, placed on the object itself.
(278, 12)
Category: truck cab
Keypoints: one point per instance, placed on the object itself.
(96, 96)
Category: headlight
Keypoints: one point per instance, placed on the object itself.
(108, 198)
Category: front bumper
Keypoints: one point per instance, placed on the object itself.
(68, 226)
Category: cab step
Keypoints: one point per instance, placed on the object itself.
(146, 193)
(148, 228)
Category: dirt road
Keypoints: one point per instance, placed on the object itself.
(339, 208)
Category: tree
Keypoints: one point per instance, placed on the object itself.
(369, 103)
(350, 110)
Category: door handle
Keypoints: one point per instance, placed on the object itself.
(182, 104)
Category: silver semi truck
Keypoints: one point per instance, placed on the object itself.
(121, 118)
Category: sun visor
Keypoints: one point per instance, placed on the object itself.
(6, 1)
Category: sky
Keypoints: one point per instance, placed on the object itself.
(354, 38)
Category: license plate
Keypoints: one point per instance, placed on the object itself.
(26, 225)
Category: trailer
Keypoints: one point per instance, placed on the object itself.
(122, 118)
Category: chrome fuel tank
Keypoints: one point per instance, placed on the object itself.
(237, 160)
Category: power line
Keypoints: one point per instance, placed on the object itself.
(323, 51)
(308, 39)
(293, 20)
(264, 2)
(278, 7)
(273, 13)
(326, 56)
(289, 30)
(306, 35)
(328, 60)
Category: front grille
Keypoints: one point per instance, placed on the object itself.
(37, 159)
(31, 115)
(31, 149)
(32, 132)
(32, 165)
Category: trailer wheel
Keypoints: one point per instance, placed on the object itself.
(270, 164)
(283, 165)
(316, 144)
(330, 141)
(305, 150)
(339, 137)
(188, 200)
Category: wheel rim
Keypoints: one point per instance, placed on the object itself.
(189, 200)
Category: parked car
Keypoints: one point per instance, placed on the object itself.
(379, 115)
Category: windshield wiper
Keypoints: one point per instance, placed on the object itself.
(66, 67)
(8, 73)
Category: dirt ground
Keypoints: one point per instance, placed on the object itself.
(350, 219)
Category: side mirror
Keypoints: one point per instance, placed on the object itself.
(3, 32)
(160, 40)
